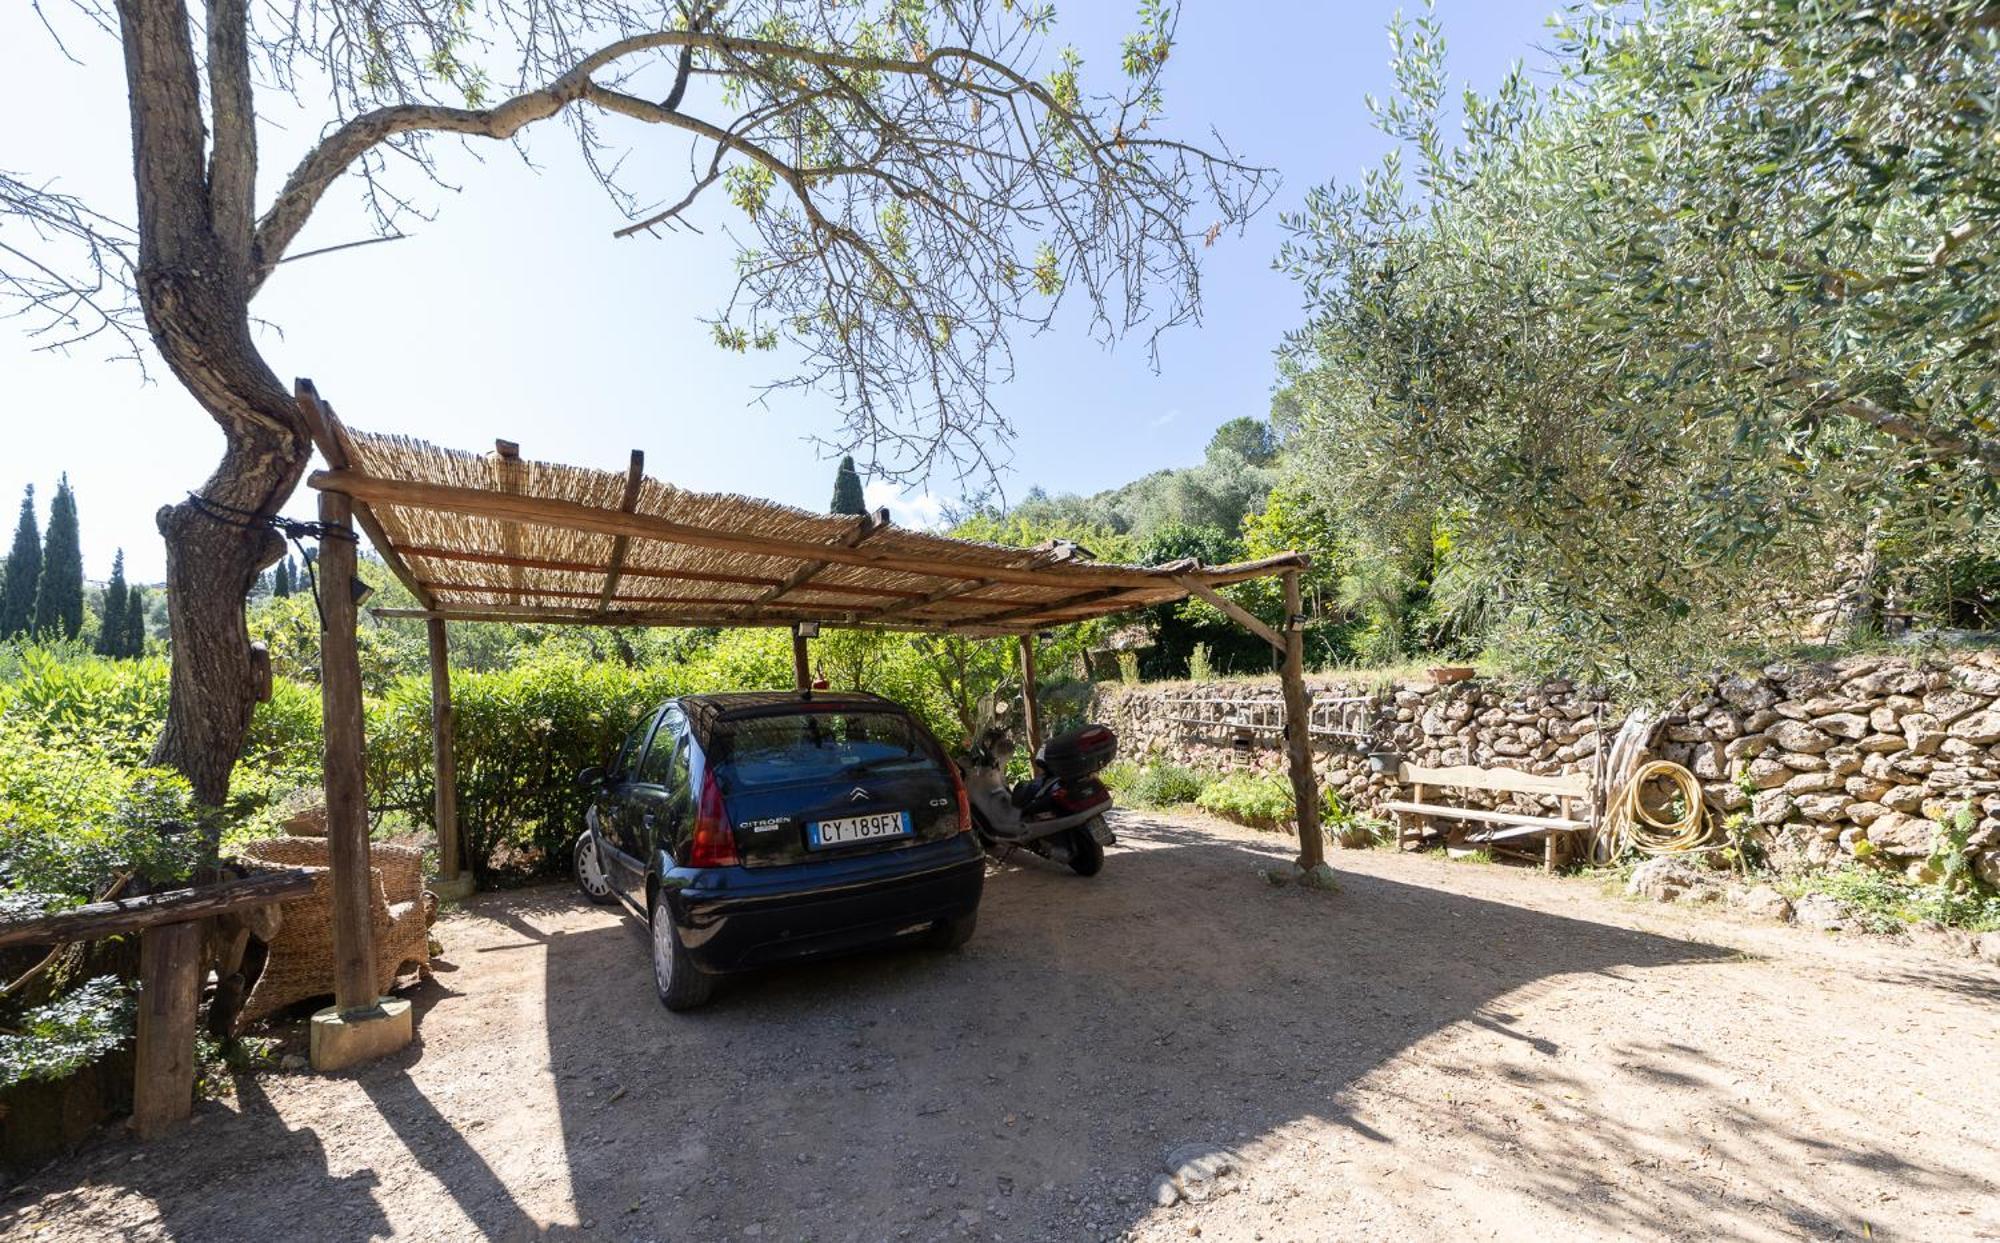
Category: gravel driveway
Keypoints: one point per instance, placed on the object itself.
(1440, 1050)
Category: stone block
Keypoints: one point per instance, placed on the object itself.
(1767, 774)
(1812, 783)
(1770, 807)
(340, 1041)
(1754, 745)
(1801, 761)
(1883, 720)
(1868, 789)
(1866, 812)
(1843, 724)
(1978, 729)
(1799, 736)
(1902, 836)
(1881, 744)
(1903, 798)
(1950, 705)
(1821, 806)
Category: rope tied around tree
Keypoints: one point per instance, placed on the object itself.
(292, 530)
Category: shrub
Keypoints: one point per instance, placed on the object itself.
(62, 1037)
(1882, 902)
(521, 736)
(1160, 784)
(65, 696)
(1260, 800)
(74, 818)
(1199, 667)
(1128, 668)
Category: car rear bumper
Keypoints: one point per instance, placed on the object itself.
(735, 919)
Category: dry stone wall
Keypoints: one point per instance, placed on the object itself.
(1821, 757)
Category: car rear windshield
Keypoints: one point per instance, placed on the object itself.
(814, 746)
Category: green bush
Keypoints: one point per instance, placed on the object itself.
(74, 818)
(1160, 784)
(63, 695)
(1883, 902)
(521, 736)
(62, 1037)
(1260, 800)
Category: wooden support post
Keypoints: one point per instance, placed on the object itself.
(346, 792)
(1298, 736)
(1031, 709)
(163, 1083)
(453, 880)
(802, 676)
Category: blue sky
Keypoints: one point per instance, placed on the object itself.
(515, 314)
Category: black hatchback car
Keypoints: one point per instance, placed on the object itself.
(765, 827)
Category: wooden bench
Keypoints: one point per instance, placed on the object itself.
(1414, 815)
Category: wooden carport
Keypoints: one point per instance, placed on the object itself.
(497, 537)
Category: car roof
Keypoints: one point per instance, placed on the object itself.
(703, 711)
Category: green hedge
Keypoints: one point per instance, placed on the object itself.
(1261, 800)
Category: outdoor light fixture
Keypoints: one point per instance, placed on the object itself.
(359, 590)
(806, 629)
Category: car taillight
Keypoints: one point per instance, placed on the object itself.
(714, 844)
(964, 802)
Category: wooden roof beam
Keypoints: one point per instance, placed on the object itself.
(943, 593)
(430, 553)
(569, 515)
(1236, 612)
(507, 453)
(635, 475)
(868, 525)
(535, 615)
(327, 432)
(1038, 608)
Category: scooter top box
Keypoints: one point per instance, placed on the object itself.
(1080, 752)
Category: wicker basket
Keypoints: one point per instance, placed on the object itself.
(300, 963)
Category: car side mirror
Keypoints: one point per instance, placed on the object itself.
(590, 778)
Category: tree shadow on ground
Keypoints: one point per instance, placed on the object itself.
(1027, 1086)
(914, 1095)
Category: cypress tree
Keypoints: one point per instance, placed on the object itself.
(111, 630)
(135, 622)
(24, 571)
(281, 578)
(59, 593)
(847, 494)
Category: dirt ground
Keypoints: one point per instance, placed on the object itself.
(1440, 1050)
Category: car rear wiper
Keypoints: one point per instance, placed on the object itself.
(862, 766)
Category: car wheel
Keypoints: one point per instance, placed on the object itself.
(591, 876)
(952, 934)
(681, 984)
(1086, 853)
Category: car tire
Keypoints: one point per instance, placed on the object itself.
(1086, 853)
(591, 875)
(952, 934)
(680, 984)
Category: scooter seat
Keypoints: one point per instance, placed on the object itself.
(1024, 792)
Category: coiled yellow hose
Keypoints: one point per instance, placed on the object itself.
(1629, 823)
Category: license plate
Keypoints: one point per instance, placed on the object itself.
(858, 828)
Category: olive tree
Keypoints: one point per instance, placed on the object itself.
(1670, 338)
(912, 183)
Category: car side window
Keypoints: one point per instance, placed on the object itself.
(628, 754)
(655, 768)
(677, 772)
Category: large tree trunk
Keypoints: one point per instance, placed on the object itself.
(194, 282)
